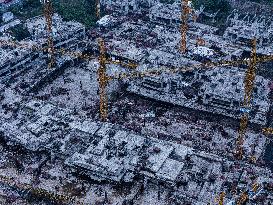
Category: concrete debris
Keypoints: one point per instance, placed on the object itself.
(105, 152)
(171, 130)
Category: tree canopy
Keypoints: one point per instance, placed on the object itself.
(223, 6)
(19, 32)
(213, 5)
(79, 10)
(263, 1)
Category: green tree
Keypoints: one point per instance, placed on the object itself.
(31, 3)
(79, 10)
(28, 9)
(212, 6)
(19, 32)
(263, 1)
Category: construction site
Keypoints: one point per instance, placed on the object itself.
(151, 106)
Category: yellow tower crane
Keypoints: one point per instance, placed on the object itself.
(242, 199)
(255, 187)
(249, 85)
(98, 8)
(184, 24)
(48, 13)
(220, 199)
(246, 195)
(267, 131)
(103, 80)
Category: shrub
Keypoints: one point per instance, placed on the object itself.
(19, 32)
(212, 6)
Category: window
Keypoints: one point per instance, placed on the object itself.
(152, 83)
(221, 103)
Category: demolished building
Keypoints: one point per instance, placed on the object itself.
(104, 151)
(18, 59)
(220, 90)
(244, 28)
(155, 47)
(128, 6)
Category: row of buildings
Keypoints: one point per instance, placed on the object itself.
(110, 153)
(106, 152)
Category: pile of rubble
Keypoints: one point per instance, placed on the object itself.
(103, 151)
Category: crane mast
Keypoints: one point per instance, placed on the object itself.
(184, 25)
(48, 13)
(103, 80)
(98, 8)
(243, 198)
(221, 198)
(249, 83)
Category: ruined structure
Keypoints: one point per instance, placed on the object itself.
(244, 28)
(102, 151)
(158, 154)
(17, 59)
(154, 47)
(218, 91)
(128, 6)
